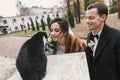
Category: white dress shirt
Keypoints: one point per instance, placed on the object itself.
(96, 41)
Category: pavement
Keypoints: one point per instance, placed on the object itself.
(9, 48)
(10, 45)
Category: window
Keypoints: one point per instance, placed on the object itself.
(24, 26)
(4, 21)
(42, 16)
(22, 19)
(53, 15)
(16, 28)
(14, 20)
(29, 17)
(36, 17)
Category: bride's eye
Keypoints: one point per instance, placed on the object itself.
(57, 30)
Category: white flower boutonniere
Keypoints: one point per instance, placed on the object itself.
(92, 43)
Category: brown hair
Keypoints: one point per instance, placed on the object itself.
(101, 8)
(64, 25)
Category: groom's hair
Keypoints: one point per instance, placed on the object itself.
(101, 8)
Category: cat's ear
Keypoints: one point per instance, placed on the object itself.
(45, 34)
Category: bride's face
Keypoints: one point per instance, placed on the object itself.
(57, 34)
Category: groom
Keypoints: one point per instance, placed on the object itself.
(103, 53)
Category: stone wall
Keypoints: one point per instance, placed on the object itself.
(71, 66)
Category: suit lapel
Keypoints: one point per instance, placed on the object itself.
(103, 41)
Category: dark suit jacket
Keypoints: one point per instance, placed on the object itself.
(105, 65)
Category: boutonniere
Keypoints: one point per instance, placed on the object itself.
(91, 43)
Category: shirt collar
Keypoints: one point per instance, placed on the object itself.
(99, 33)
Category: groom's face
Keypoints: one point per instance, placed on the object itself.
(93, 20)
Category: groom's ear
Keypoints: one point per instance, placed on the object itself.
(104, 17)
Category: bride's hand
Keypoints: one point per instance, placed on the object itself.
(61, 38)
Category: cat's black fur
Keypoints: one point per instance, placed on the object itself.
(32, 61)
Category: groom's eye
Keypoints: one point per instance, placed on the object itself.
(91, 17)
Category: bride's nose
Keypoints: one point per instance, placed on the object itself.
(53, 33)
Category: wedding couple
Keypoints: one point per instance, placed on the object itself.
(103, 43)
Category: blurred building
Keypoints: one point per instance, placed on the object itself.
(22, 21)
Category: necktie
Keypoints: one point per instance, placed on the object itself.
(94, 36)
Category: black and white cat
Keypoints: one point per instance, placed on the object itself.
(31, 62)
